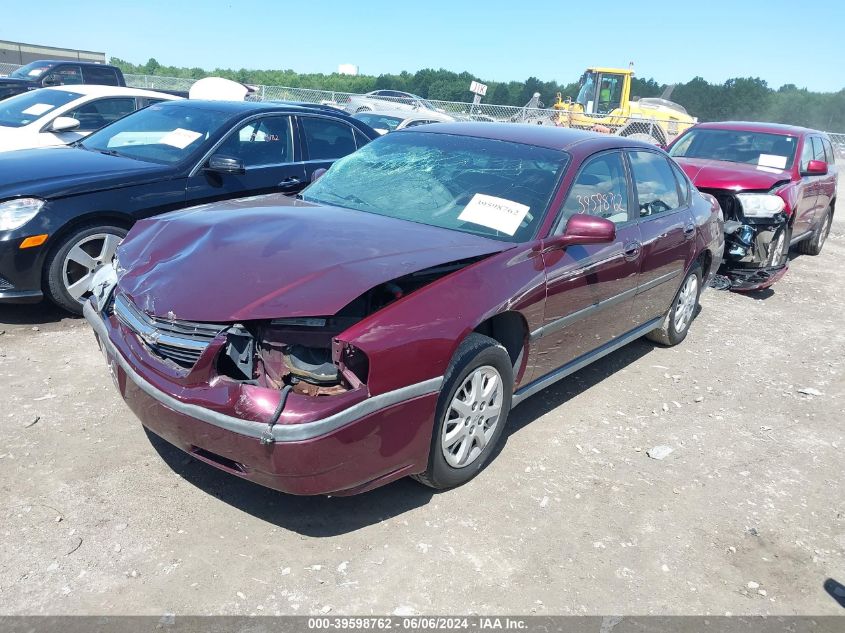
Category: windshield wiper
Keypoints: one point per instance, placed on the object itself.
(109, 152)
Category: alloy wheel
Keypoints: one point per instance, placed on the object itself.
(84, 259)
(777, 256)
(472, 416)
(687, 300)
(825, 229)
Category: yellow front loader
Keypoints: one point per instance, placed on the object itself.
(604, 105)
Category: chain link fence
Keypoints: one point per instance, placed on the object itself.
(655, 129)
(661, 128)
(6, 69)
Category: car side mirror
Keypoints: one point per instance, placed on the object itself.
(225, 165)
(63, 124)
(318, 173)
(50, 80)
(582, 229)
(816, 168)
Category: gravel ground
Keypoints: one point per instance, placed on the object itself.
(745, 516)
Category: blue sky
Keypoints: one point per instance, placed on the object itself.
(497, 40)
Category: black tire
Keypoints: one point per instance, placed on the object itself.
(813, 245)
(475, 352)
(364, 109)
(668, 333)
(778, 256)
(54, 279)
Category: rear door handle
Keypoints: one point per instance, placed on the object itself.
(632, 250)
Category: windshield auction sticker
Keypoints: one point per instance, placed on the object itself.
(495, 213)
(38, 109)
(179, 138)
(771, 160)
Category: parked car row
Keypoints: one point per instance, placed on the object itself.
(63, 210)
(323, 309)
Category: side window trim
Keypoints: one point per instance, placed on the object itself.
(679, 173)
(559, 223)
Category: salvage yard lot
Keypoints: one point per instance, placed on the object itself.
(746, 515)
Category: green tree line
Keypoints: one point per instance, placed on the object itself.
(741, 98)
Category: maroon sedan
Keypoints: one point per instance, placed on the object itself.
(776, 185)
(384, 323)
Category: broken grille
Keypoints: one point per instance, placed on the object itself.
(182, 342)
(728, 202)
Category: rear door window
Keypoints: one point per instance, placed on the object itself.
(96, 114)
(327, 139)
(683, 182)
(654, 182)
(828, 152)
(102, 75)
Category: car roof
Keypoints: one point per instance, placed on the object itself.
(427, 115)
(235, 107)
(548, 136)
(53, 62)
(756, 126)
(110, 91)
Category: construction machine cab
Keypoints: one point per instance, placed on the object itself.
(602, 90)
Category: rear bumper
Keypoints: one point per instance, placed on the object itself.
(370, 443)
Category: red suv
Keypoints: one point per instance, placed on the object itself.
(776, 185)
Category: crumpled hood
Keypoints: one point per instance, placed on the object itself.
(271, 256)
(53, 172)
(719, 174)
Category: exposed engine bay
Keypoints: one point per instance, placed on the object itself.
(303, 353)
(756, 239)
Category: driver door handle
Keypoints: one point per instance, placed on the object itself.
(632, 250)
(689, 230)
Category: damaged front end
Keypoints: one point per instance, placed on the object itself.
(757, 235)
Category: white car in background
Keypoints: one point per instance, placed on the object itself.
(385, 121)
(63, 114)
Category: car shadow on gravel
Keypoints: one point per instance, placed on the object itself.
(33, 314)
(311, 516)
(331, 516)
(562, 392)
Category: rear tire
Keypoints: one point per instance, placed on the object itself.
(814, 244)
(471, 413)
(76, 259)
(681, 314)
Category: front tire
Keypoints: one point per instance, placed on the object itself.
(677, 321)
(813, 245)
(472, 411)
(73, 262)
